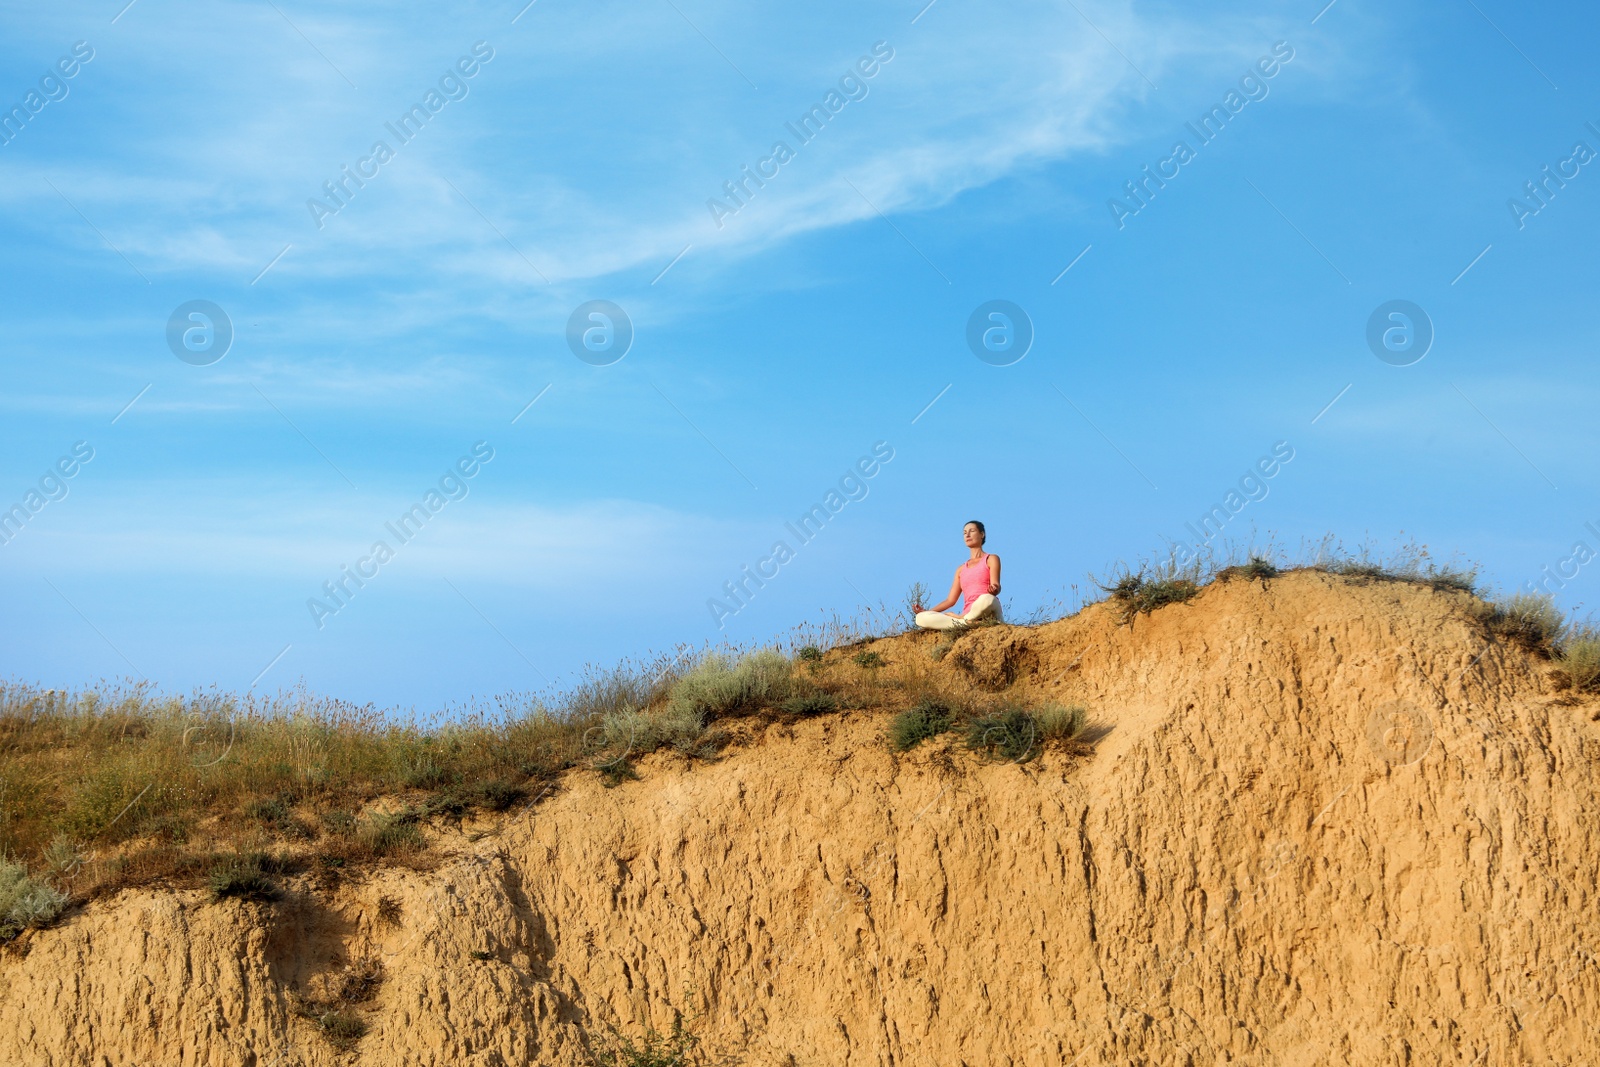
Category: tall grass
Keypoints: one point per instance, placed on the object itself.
(1579, 657)
(1530, 619)
(120, 785)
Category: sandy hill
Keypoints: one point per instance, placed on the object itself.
(1323, 822)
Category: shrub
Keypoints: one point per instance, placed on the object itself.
(497, 794)
(25, 902)
(62, 856)
(616, 772)
(272, 811)
(1410, 562)
(1579, 661)
(389, 911)
(653, 1049)
(342, 1028)
(681, 726)
(629, 729)
(868, 660)
(809, 654)
(331, 1013)
(1258, 569)
(1144, 592)
(389, 834)
(810, 704)
(719, 685)
(927, 718)
(1009, 734)
(243, 876)
(632, 731)
(451, 802)
(1530, 619)
(1055, 722)
(339, 823)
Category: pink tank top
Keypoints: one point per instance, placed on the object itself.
(974, 581)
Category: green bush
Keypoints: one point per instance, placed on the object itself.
(809, 704)
(392, 833)
(25, 902)
(720, 684)
(1144, 592)
(62, 856)
(497, 794)
(868, 660)
(1058, 723)
(1579, 660)
(1258, 569)
(342, 1028)
(628, 729)
(272, 811)
(927, 718)
(631, 730)
(243, 876)
(1009, 734)
(616, 772)
(1530, 619)
(653, 1049)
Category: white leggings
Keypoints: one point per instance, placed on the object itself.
(938, 620)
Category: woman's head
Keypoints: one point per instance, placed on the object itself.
(974, 534)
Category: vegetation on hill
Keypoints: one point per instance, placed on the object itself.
(118, 786)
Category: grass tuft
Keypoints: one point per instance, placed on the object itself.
(25, 902)
(332, 1012)
(1579, 660)
(1258, 569)
(1060, 723)
(389, 911)
(927, 718)
(1530, 619)
(1144, 592)
(392, 833)
(242, 876)
(653, 1048)
(721, 685)
(1009, 734)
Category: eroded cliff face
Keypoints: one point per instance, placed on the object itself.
(1323, 823)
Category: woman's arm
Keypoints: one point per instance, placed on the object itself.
(994, 575)
(955, 594)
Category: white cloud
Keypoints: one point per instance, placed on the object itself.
(590, 175)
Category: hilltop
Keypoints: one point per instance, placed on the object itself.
(1310, 819)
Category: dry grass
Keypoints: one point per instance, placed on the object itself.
(332, 1007)
(1579, 658)
(109, 788)
(116, 787)
(1532, 620)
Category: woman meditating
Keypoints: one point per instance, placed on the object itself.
(977, 580)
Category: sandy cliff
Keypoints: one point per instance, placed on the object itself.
(1324, 823)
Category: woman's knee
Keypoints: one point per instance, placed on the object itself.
(985, 605)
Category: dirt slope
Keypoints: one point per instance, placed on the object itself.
(1324, 823)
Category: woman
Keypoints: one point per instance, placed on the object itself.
(978, 580)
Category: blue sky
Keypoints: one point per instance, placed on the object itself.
(774, 345)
